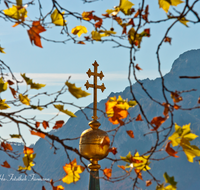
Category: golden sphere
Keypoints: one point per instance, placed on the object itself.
(90, 141)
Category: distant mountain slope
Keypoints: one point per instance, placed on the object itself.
(187, 174)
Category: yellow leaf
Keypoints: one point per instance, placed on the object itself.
(57, 18)
(96, 35)
(16, 12)
(61, 108)
(37, 86)
(28, 162)
(3, 85)
(184, 21)
(19, 3)
(104, 33)
(125, 6)
(1, 50)
(3, 105)
(72, 170)
(28, 80)
(24, 99)
(165, 4)
(37, 107)
(78, 30)
(76, 92)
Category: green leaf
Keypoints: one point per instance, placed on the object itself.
(57, 18)
(61, 109)
(3, 85)
(76, 92)
(169, 180)
(132, 103)
(15, 136)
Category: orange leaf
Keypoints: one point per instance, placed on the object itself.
(87, 15)
(157, 121)
(6, 165)
(137, 67)
(170, 150)
(130, 133)
(167, 39)
(99, 23)
(34, 31)
(113, 150)
(118, 115)
(38, 134)
(137, 13)
(107, 172)
(81, 42)
(58, 124)
(124, 30)
(45, 124)
(37, 124)
(139, 118)
(28, 150)
(14, 92)
(176, 106)
(148, 183)
(43, 188)
(122, 167)
(199, 100)
(105, 141)
(166, 110)
(139, 174)
(176, 97)
(131, 22)
(106, 15)
(6, 146)
(10, 82)
(147, 31)
(59, 187)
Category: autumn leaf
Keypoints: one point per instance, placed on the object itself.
(166, 110)
(87, 15)
(37, 86)
(176, 97)
(3, 85)
(169, 180)
(170, 150)
(139, 118)
(28, 150)
(24, 99)
(59, 187)
(107, 172)
(5, 164)
(14, 92)
(72, 170)
(148, 183)
(61, 109)
(37, 107)
(96, 35)
(157, 122)
(16, 12)
(28, 162)
(125, 6)
(58, 124)
(76, 92)
(168, 39)
(45, 124)
(81, 42)
(99, 23)
(105, 141)
(198, 100)
(122, 167)
(6, 146)
(132, 103)
(130, 133)
(37, 124)
(2, 50)
(34, 31)
(38, 134)
(139, 174)
(57, 18)
(19, 2)
(79, 30)
(165, 4)
(3, 105)
(137, 67)
(113, 150)
(15, 136)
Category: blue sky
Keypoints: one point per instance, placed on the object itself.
(55, 62)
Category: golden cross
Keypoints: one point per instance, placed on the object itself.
(95, 86)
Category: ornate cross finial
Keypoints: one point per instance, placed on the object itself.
(95, 86)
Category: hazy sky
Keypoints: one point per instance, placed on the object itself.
(55, 62)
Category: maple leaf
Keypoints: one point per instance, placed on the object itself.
(87, 15)
(38, 134)
(28, 150)
(6, 146)
(158, 121)
(76, 92)
(125, 7)
(3, 105)
(16, 12)
(58, 124)
(45, 124)
(5, 164)
(168, 39)
(1, 50)
(99, 23)
(139, 118)
(170, 150)
(96, 35)
(176, 97)
(169, 180)
(37, 124)
(37, 86)
(57, 18)
(72, 170)
(79, 30)
(28, 162)
(113, 150)
(139, 174)
(61, 108)
(3, 85)
(34, 31)
(165, 4)
(107, 172)
(24, 99)
(130, 133)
